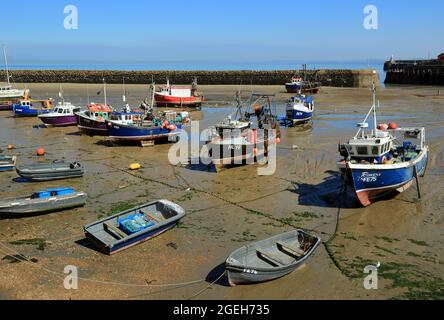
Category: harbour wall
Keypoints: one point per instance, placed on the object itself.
(334, 78)
(418, 72)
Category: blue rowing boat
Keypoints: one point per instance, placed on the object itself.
(133, 226)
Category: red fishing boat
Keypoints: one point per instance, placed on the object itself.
(178, 96)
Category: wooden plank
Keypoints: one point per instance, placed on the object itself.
(292, 249)
(114, 230)
(270, 257)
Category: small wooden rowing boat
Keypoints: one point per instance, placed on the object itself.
(48, 200)
(133, 226)
(271, 258)
(7, 163)
(51, 171)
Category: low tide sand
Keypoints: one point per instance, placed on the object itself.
(229, 209)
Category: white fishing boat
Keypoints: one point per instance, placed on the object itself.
(8, 94)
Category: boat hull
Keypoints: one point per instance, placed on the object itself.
(298, 116)
(91, 126)
(293, 88)
(61, 121)
(7, 163)
(118, 131)
(47, 174)
(172, 101)
(371, 182)
(6, 105)
(36, 206)
(242, 269)
(23, 111)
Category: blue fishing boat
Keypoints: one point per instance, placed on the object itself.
(294, 86)
(130, 126)
(384, 160)
(133, 226)
(299, 109)
(7, 163)
(28, 107)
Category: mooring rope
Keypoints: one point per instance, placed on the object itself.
(63, 275)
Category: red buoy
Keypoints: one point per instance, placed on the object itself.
(383, 126)
(40, 152)
(10, 147)
(392, 125)
(278, 140)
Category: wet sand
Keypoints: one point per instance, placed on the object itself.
(229, 209)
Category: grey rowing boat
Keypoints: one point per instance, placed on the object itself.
(51, 171)
(271, 258)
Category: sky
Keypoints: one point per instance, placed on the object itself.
(135, 31)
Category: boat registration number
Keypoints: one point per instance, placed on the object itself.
(234, 147)
(250, 271)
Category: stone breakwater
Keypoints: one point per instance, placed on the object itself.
(422, 72)
(333, 78)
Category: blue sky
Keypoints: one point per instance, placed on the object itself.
(134, 31)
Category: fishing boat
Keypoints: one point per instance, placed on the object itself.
(246, 135)
(132, 126)
(62, 115)
(271, 258)
(51, 171)
(9, 95)
(294, 86)
(133, 226)
(384, 160)
(299, 109)
(93, 120)
(32, 107)
(7, 163)
(178, 96)
(48, 200)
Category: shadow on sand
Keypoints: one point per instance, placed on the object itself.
(216, 273)
(330, 193)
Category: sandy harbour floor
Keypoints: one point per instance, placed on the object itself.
(228, 209)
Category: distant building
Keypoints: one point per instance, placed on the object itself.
(441, 57)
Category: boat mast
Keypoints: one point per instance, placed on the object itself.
(124, 91)
(6, 65)
(104, 90)
(375, 125)
(61, 94)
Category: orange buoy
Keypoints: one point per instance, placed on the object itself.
(392, 125)
(10, 147)
(40, 152)
(254, 151)
(278, 140)
(383, 126)
(172, 127)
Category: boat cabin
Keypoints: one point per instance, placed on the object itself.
(127, 117)
(100, 112)
(370, 148)
(65, 109)
(52, 192)
(306, 101)
(296, 80)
